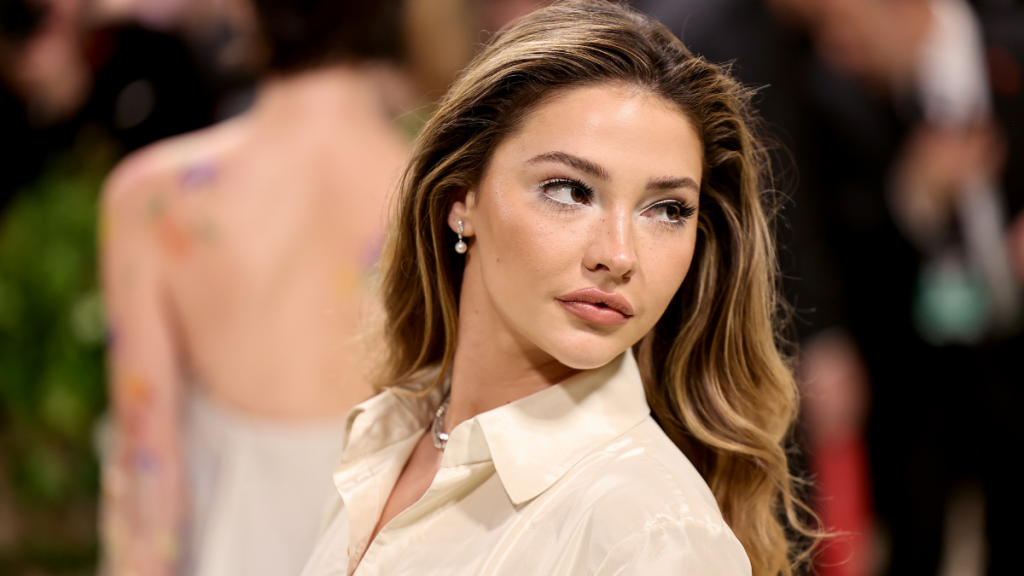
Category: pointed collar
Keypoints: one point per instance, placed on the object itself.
(388, 417)
(534, 441)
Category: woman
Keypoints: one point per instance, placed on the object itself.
(236, 264)
(564, 394)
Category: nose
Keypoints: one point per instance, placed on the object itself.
(612, 247)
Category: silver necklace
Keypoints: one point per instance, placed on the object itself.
(437, 427)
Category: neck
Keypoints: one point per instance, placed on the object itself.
(493, 366)
(343, 91)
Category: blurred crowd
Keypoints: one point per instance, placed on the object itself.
(256, 141)
(899, 127)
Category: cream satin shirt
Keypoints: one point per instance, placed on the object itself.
(574, 480)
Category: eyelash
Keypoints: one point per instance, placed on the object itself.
(552, 182)
(685, 210)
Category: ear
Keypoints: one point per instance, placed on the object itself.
(462, 209)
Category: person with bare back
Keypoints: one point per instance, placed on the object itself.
(236, 266)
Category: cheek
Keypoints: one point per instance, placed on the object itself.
(666, 266)
(521, 243)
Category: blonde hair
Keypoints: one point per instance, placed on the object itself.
(715, 378)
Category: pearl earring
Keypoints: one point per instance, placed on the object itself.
(460, 246)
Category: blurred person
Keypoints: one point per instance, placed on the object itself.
(444, 35)
(850, 115)
(44, 81)
(562, 393)
(221, 35)
(945, 195)
(43, 59)
(236, 268)
(64, 70)
(65, 80)
(941, 192)
(952, 305)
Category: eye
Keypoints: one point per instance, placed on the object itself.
(671, 211)
(567, 192)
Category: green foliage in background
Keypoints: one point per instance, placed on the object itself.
(51, 345)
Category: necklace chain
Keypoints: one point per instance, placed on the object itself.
(437, 427)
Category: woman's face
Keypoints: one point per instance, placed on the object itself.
(583, 225)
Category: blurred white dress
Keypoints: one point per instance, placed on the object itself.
(257, 489)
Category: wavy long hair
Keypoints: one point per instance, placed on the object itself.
(714, 375)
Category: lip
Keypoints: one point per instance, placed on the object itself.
(597, 306)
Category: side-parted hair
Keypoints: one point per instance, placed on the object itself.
(713, 372)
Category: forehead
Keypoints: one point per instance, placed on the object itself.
(613, 124)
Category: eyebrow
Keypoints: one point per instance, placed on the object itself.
(672, 183)
(581, 164)
(597, 171)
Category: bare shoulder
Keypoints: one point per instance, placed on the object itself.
(153, 173)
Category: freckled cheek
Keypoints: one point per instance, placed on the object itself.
(666, 265)
(532, 248)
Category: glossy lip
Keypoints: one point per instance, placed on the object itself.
(597, 306)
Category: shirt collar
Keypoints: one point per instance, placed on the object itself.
(534, 441)
(389, 417)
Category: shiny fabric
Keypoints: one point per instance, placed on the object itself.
(574, 480)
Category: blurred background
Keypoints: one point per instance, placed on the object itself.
(898, 131)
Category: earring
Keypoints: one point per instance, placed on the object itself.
(460, 246)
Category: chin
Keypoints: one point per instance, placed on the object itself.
(586, 351)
